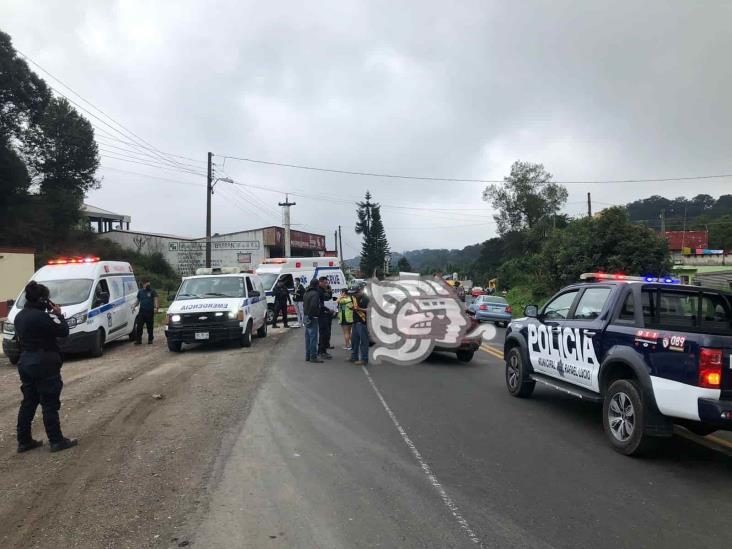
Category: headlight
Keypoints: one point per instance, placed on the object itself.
(232, 315)
(77, 320)
(175, 318)
(8, 328)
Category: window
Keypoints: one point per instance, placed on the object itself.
(116, 287)
(130, 286)
(99, 297)
(287, 279)
(591, 303)
(716, 314)
(558, 309)
(250, 288)
(627, 312)
(64, 292)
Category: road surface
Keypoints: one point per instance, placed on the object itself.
(439, 455)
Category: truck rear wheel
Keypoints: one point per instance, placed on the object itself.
(624, 419)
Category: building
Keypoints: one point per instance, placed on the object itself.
(17, 265)
(244, 248)
(709, 276)
(101, 221)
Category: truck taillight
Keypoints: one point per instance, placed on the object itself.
(509, 309)
(710, 368)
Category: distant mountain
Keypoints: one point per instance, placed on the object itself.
(429, 259)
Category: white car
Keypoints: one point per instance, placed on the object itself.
(219, 304)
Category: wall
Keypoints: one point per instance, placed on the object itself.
(16, 268)
(699, 260)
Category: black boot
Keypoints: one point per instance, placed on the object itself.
(32, 445)
(65, 444)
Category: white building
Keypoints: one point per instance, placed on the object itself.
(245, 248)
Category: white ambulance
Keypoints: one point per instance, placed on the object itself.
(217, 304)
(97, 298)
(288, 269)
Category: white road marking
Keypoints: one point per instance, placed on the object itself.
(447, 500)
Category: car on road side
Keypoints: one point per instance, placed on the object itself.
(653, 352)
(476, 291)
(491, 308)
(217, 304)
(96, 297)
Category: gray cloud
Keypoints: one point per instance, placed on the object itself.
(592, 90)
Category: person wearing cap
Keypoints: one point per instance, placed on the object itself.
(147, 299)
(37, 326)
(297, 298)
(311, 312)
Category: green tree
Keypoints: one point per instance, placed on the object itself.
(374, 246)
(526, 197)
(403, 265)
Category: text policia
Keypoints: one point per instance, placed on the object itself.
(571, 353)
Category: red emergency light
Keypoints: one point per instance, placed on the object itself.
(73, 260)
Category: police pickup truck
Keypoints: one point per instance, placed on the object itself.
(652, 351)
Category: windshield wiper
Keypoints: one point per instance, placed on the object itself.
(216, 294)
(189, 295)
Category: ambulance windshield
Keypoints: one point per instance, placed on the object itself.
(212, 286)
(268, 279)
(64, 292)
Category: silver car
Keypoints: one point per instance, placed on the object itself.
(491, 308)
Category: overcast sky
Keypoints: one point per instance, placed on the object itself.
(593, 90)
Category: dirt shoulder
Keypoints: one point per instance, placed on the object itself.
(143, 464)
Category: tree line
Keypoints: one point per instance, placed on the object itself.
(48, 157)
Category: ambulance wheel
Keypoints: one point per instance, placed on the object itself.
(262, 332)
(270, 315)
(97, 347)
(246, 339)
(517, 379)
(624, 419)
(465, 356)
(175, 346)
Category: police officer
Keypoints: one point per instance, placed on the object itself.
(147, 299)
(37, 327)
(281, 300)
(326, 318)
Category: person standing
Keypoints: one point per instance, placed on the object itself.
(311, 312)
(326, 318)
(281, 300)
(297, 297)
(37, 326)
(360, 333)
(345, 316)
(147, 299)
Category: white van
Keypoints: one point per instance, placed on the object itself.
(96, 297)
(217, 304)
(287, 269)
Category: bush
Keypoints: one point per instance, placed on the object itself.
(521, 296)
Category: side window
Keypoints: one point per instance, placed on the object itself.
(558, 308)
(289, 282)
(116, 288)
(130, 286)
(591, 303)
(626, 315)
(101, 294)
(250, 287)
(716, 315)
(671, 310)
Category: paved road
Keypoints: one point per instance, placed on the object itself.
(439, 455)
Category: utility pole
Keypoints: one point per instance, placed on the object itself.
(589, 205)
(286, 222)
(340, 243)
(663, 222)
(209, 192)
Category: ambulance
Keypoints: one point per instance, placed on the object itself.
(97, 298)
(217, 304)
(287, 269)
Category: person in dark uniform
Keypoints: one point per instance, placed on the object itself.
(311, 312)
(37, 326)
(281, 300)
(147, 299)
(326, 318)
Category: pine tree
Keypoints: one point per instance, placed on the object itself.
(374, 247)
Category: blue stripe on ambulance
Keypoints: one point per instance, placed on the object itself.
(107, 307)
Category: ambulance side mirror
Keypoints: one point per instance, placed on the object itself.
(171, 296)
(531, 311)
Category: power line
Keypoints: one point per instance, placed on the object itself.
(200, 185)
(464, 180)
(148, 161)
(157, 166)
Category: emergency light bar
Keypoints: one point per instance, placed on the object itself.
(73, 260)
(611, 276)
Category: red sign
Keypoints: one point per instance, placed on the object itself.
(687, 239)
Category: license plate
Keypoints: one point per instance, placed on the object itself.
(201, 335)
